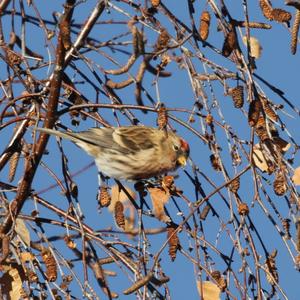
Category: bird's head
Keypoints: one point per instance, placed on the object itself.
(182, 149)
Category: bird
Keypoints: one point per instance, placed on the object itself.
(130, 153)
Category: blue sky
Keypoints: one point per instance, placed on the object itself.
(276, 65)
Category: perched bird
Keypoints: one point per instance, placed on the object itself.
(130, 153)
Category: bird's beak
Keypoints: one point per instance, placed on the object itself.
(181, 161)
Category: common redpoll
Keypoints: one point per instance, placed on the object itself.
(130, 153)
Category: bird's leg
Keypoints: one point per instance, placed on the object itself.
(101, 179)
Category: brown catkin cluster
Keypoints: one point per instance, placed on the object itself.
(209, 119)
(135, 38)
(216, 275)
(230, 43)
(162, 117)
(204, 212)
(138, 44)
(221, 281)
(163, 40)
(119, 214)
(69, 242)
(258, 25)
(31, 275)
(281, 15)
(274, 14)
(298, 235)
(215, 162)
(66, 280)
(237, 94)
(173, 241)
(13, 58)
(104, 197)
(266, 9)
(168, 182)
(286, 227)
(271, 167)
(243, 209)
(204, 25)
(269, 111)
(254, 112)
(155, 3)
(50, 263)
(295, 31)
(261, 129)
(235, 185)
(13, 163)
(279, 184)
(235, 156)
(270, 263)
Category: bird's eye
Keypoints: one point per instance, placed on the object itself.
(175, 147)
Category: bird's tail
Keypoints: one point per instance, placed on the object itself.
(66, 135)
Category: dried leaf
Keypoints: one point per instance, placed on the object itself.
(120, 195)
(255, 46)
(11, 281)
(159, 197)
(230, 43)
(22, 231)
(26, 256)
(296, 176)
(259, 158)
(129, 222)
(270, 264)
(283, 145)
(210, 290)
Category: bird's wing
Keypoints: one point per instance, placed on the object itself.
(101, 137)
(134, 138)
(125, 140)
